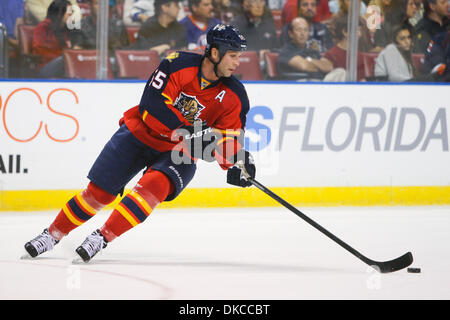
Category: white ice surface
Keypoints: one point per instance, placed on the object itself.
(262, 253)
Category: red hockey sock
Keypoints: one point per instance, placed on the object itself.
(135, 207)
(79, 209)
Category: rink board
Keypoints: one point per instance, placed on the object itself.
(227, 197)
(314, 144)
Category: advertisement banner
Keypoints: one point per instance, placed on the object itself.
(301, 135)
(350, 135)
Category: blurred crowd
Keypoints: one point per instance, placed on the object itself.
(302, 40)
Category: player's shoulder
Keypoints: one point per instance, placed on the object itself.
(178, 60)
(236, 86)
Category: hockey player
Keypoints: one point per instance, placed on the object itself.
(189, 97)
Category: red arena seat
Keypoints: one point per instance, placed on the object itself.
(418, 60)
(25, 38)
(271, 59)
(249, 67)
(369, 63)
(138, 64)
(132, 34)
(81, 64)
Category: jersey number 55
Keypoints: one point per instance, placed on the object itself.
(157, 80)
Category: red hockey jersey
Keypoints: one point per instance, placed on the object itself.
(173, 97)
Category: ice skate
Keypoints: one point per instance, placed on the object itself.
(42, 243)
(93, 244)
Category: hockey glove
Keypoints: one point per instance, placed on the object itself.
(199, 139)
(243, 168)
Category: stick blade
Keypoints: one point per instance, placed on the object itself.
(393, 265)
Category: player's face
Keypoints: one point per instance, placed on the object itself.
(229, 63)
(404, 40)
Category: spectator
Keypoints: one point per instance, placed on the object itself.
(50, 37)
(395, 62)
(338, 54)
(291, 9)
(198, 23)
(296, 57)
(144, 9)
(434, 21)
(116, 8)
(162, 32)
(86, 36)
(36, 11)
(11, 16)
(320, 37)
(376, 13)
(127, 17)
(227, 10)
(341, 7)
(382, 7)
(258, 26)
(396, 16)
(437, 57)
(419, 14)
(365, 43)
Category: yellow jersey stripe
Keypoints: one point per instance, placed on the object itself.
(170, 101)
(228, 132)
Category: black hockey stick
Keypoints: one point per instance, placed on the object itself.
(383, 267)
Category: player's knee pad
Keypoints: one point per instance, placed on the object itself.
(154, 187)
(137, 205)
(146, 195)
(96, 197)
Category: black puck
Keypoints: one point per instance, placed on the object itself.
(413, 270)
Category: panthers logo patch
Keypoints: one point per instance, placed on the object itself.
(189, 107)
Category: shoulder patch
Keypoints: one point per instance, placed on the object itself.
(180, 60)
(172, 56)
